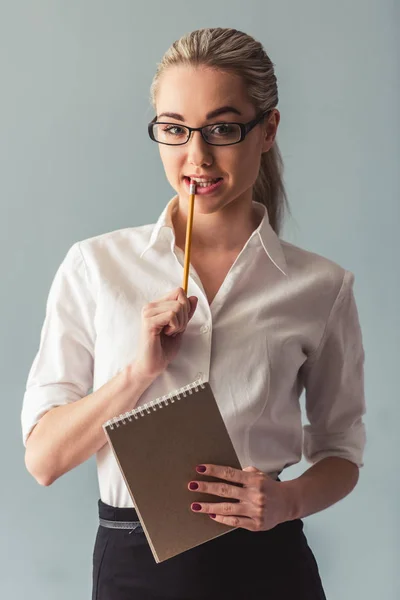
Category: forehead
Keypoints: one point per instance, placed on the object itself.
(195, 91)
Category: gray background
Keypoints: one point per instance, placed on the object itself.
(76, 162)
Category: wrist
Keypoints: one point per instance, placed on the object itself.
(293, 499)
(137, 377)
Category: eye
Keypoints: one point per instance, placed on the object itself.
(222, 129)
(173, 130)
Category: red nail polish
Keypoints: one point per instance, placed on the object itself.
(201, 469)
(193, 485)
(212, 516)
(196, 506)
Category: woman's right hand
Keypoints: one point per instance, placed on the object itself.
(164, 322)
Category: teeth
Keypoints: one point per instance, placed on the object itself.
(204, 183)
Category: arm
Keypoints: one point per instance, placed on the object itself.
(61, 422)
(321, 486)
(68, 435)
(334, 439)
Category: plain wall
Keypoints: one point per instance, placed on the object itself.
(76, 161)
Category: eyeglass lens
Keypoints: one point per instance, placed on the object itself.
(220, 134)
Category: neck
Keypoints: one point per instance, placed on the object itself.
(225, 230)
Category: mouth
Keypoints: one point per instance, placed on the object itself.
(207, 187)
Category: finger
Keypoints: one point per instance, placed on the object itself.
(243, 522)
(156, 308)
(182, 310)
(179, 318)
(174, 325)
(229, 509)
(184, 302)
(193, 305)
(251, 504)
(233, 514)
(222, 489)
(157, 323)
(225, 472)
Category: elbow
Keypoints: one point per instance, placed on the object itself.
(38, 468)
(44, 481)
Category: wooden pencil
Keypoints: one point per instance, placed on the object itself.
(188, 241)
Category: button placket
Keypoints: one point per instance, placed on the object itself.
(205, 344)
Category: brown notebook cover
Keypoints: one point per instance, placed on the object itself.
(157, 447)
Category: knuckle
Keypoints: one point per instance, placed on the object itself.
(259, 481)
(223, 489)
(229, 473)
(146, 312)
(235, 521)
(227, 508)
(259, 514)
(260, 500)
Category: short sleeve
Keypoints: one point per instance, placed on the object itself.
(62, 370)
(334, 385)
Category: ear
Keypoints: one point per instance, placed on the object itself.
(270, 129)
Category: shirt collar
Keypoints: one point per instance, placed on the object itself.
(264, 234)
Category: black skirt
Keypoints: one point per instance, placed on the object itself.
(273, 565)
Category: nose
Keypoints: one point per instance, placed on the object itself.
(198, 151)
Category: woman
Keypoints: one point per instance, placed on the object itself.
(265, 320)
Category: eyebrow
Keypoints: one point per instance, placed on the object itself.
(211, 115)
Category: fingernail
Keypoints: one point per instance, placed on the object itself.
(201, 469)
(193, 485)
(212, 516)
(196, 506)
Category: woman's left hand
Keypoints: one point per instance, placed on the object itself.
(262, 503)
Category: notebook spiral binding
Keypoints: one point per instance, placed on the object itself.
(154, 405)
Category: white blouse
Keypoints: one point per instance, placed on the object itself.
(283, 320)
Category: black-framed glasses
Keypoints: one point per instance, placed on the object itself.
(217, 134)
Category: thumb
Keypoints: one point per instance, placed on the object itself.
(193, 304)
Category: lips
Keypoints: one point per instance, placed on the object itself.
(205, 189)
(208, 178)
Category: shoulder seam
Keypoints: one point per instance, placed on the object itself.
(78, 245)
(87, 281)
(347, 275)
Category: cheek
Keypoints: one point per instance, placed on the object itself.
(172, 162)
(247, 165)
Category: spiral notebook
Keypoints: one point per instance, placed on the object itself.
(157, 446)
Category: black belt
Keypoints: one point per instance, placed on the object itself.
(135, 526)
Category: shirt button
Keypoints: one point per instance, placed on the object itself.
(204, 328)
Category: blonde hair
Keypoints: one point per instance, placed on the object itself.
(236, 52)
